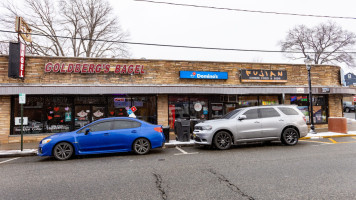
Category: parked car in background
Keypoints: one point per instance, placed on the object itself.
(251, 124)
(109, 135)
(348, 107)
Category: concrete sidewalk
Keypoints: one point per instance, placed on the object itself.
(30, 149)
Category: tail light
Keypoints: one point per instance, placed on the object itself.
(158, 129)
(305, 119)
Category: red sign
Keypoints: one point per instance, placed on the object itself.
(133, 108)
(354, 98)
(22, 60)
(93, 68)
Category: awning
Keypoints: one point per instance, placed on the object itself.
(11, 89)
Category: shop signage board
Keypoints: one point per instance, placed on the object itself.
(258, 75)
(17, 60)
(203, 75)
(23, 29)
(18, 121)
(93, 68)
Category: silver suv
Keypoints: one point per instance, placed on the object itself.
(260, 123)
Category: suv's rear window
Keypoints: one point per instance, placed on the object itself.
(288, 111)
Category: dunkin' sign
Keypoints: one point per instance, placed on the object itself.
(93, 68)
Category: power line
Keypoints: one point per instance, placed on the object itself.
(244, 10)
(171, 45)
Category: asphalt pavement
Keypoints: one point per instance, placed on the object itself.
(320, 168)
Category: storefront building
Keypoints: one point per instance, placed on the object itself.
(64, 94)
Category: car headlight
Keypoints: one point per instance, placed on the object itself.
(46, 141)
(207, 127)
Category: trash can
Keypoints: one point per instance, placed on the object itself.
(166, 133)
(182, 130)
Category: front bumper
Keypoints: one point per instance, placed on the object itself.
(45, 149)
(202, 137)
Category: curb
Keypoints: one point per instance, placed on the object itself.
(19, 154)
(327, 136)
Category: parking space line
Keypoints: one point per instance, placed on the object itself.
(9, 160)
(332, 140)
(317, 141)
(183, 152)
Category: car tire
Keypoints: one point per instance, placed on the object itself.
(290, 136)
(141, 146)
(222, 140)
(63, 151)
(347, 110)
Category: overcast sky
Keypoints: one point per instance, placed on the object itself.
(178, 25)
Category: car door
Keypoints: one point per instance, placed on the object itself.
(123, 134)
(272, 122)
(249, 128)
(97, 139)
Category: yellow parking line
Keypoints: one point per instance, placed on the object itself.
(332, 140)
(353, 137)
(318, 142)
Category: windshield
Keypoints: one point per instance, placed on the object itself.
(231, 114)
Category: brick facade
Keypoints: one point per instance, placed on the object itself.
(165, 72)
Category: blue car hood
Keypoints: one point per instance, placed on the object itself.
(59, 135)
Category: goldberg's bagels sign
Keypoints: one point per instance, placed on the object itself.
(93, 68)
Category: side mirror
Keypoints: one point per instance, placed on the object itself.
(87, 131)
(242, 117)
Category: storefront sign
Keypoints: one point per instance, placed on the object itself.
(18, 121)
(93, 68)
(22, 28)
(253, 75)
(17, 60)
(203, 75)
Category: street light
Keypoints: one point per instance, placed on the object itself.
(308, 62)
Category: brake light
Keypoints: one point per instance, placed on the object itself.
(305, 119)
(158, 129)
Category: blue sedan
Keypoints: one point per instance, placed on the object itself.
(109, 135)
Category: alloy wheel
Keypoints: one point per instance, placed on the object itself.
(222, 140)
(63, 151)
(141, 146)
(290, 136)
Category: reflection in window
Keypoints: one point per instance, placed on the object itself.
(247, 101)
(319, 107)
(268, 100)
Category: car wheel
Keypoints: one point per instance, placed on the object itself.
(290, 136)
(222, 140)
(347, 110)
(141, 146)
(63, 151)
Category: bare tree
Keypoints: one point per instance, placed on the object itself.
(328, 42)
(89, 27)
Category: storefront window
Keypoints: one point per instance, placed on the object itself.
(319, 107)
(268, 100)
(33, 111)
(58, 114)
(199, 108)
(146, 108)
(247, 101)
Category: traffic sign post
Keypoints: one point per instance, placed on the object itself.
(22, 100)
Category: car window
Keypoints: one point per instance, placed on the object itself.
(288, 111)
(124, 124)
(231, 114)
(268, 112)
(251, 114)
(100, 126)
